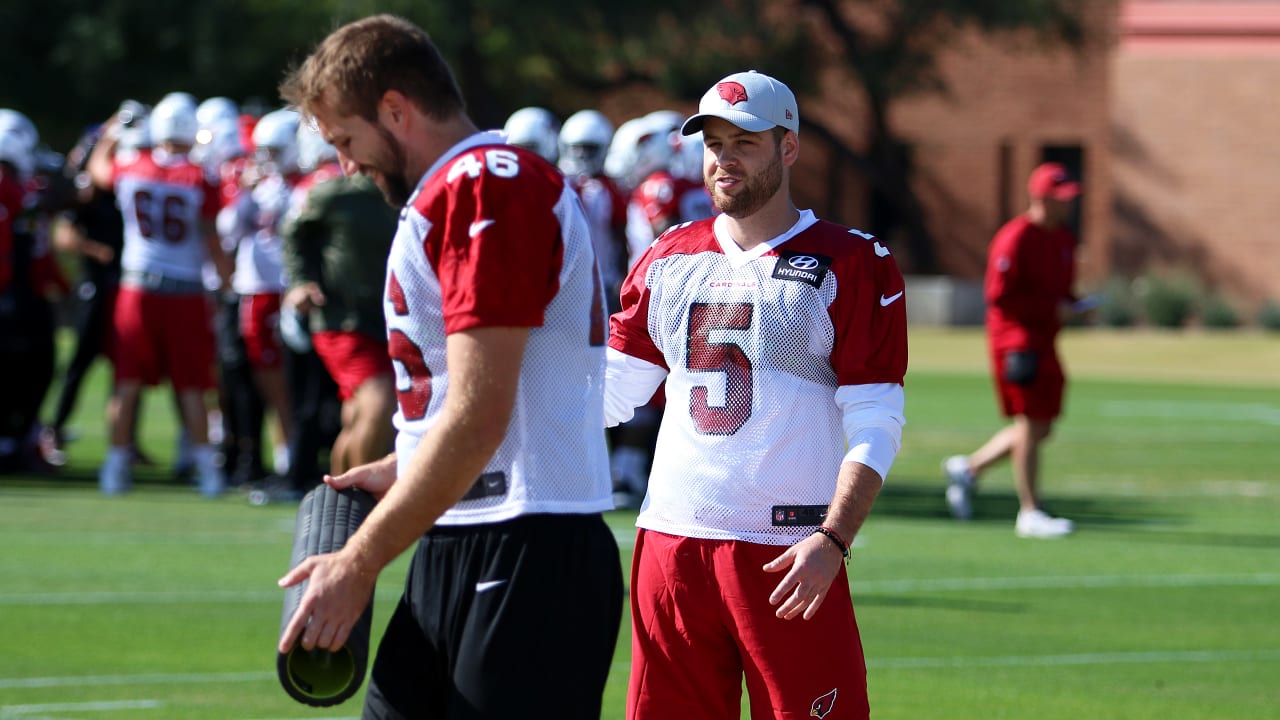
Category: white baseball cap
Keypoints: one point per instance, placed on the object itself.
(753, 101)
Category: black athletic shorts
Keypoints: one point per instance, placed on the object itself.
(517, 619)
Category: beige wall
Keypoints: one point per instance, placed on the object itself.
(1197, 157)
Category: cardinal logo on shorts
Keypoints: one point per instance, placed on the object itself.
(732, 92)
(823, 705)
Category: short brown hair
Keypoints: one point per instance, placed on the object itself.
(357, 63)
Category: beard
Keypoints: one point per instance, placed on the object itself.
(390, 169)
(753, 192)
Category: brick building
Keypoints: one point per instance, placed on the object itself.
(1170, 117)
(1168, 113)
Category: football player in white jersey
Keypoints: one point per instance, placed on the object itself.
(782, 340)
(161, 317)
(495, 318)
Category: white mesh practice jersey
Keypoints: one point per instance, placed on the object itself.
(494, 237)
(260, 252)
(755, 345)
(163, 199)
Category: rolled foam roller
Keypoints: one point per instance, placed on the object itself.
(320, 678)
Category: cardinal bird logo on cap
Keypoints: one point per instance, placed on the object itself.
(823, 705)
(732, 92)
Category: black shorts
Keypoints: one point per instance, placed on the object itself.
(505, 620)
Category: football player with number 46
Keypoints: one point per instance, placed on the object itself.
(495, 319)
(783, 342)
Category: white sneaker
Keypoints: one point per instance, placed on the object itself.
(960, 486)
(115, 476)
(1039, 524)
(208, 475)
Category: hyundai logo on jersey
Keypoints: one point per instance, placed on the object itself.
(803, 267)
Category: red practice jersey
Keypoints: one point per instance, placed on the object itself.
(756, 344)
(494, 237)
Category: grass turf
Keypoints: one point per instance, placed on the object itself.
(1163, 605)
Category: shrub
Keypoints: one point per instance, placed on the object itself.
(1217, 313)
(1269, 316)
(1117, 308)
(1167, 301)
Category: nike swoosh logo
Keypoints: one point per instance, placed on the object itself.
(887, 301)
(488, 584)
(478, 227)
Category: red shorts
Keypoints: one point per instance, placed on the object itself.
(701, 619)
(1042, 399)
(158, 335)
(260, 328)
(351, 358)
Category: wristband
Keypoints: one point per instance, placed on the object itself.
(834, 537)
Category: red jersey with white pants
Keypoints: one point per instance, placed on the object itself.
(494, 237)
(775, 359)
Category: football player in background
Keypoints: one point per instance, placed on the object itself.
(584, 142)
(255, 221)
(32, 190)
(161, 319)
(92, 230)
(782, 339)
(535, 129)
(336, 245)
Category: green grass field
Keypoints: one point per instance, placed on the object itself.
(1165, 604)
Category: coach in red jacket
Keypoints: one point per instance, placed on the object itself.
(1030, 271)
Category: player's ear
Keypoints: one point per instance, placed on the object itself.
(790, 148)
(393, 108)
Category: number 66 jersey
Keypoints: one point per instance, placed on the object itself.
(777, 361)
(493, 237)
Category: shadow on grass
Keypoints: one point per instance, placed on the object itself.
(1140, 520)
(923, 500)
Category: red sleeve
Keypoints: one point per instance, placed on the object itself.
(1003, 266)
(495, 241)
(870, 318)
(629, 327)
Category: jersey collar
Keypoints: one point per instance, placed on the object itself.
(484, 137)
(739, 257)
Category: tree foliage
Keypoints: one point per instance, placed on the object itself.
(70, 62)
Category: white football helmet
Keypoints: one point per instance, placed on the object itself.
(584, 141)
(313, 151)
(217, 111)
(12, 121)
(650, 143)
(621, 160)
(14, 150)
(173, 120)
(687, 162)
(184, 99)
(534, 128)
(275, 140)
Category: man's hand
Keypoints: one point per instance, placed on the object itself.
(337, 593)
(304, 297)
(375, 478)
(814, 563)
